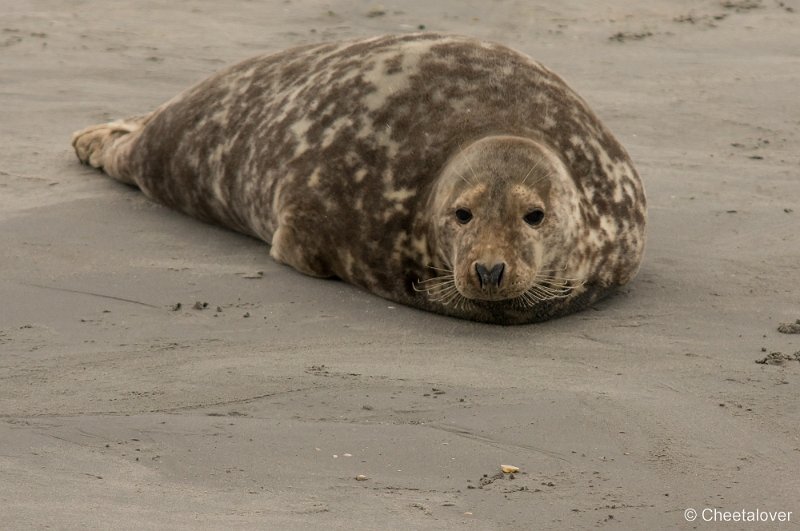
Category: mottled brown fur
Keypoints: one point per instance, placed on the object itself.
(332, 153)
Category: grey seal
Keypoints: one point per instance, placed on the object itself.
(438, 171)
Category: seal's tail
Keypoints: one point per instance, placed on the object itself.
(105, 146)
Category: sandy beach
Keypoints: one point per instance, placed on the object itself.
(126, 405)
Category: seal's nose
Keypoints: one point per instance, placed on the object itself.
(490, 277)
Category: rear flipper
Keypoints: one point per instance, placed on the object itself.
(106, 146)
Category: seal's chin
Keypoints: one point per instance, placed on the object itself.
(489, 295)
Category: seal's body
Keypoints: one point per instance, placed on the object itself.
(441, 172)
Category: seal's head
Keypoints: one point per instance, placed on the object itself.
(505, 224)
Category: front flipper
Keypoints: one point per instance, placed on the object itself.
(302, 253)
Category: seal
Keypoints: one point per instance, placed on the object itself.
(441, 172)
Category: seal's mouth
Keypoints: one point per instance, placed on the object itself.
(492, 295)
(540, 291)
(451, 291)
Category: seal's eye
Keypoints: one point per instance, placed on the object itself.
(463, 215)
(534, 217)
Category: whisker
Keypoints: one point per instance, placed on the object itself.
(469, 164)
(558, 279)
(439, 289)
(535, 165)
(547, 175)
(462, 303)
(463, 178)
(436, 279)
(446, 289)
(556, 283)
(445, 295)
(446, 301)
(542, 296)
(427, 289)
(436, 286)
(547, 294)
(528, 300)
(533, 298)
(554, 288)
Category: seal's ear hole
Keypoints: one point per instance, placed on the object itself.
(463, 215)
(534, 217)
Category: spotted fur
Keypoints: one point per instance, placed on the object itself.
(336, 154)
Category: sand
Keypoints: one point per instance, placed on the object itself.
(120, 409)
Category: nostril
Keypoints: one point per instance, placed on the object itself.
(496, 274)
(483, 274)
